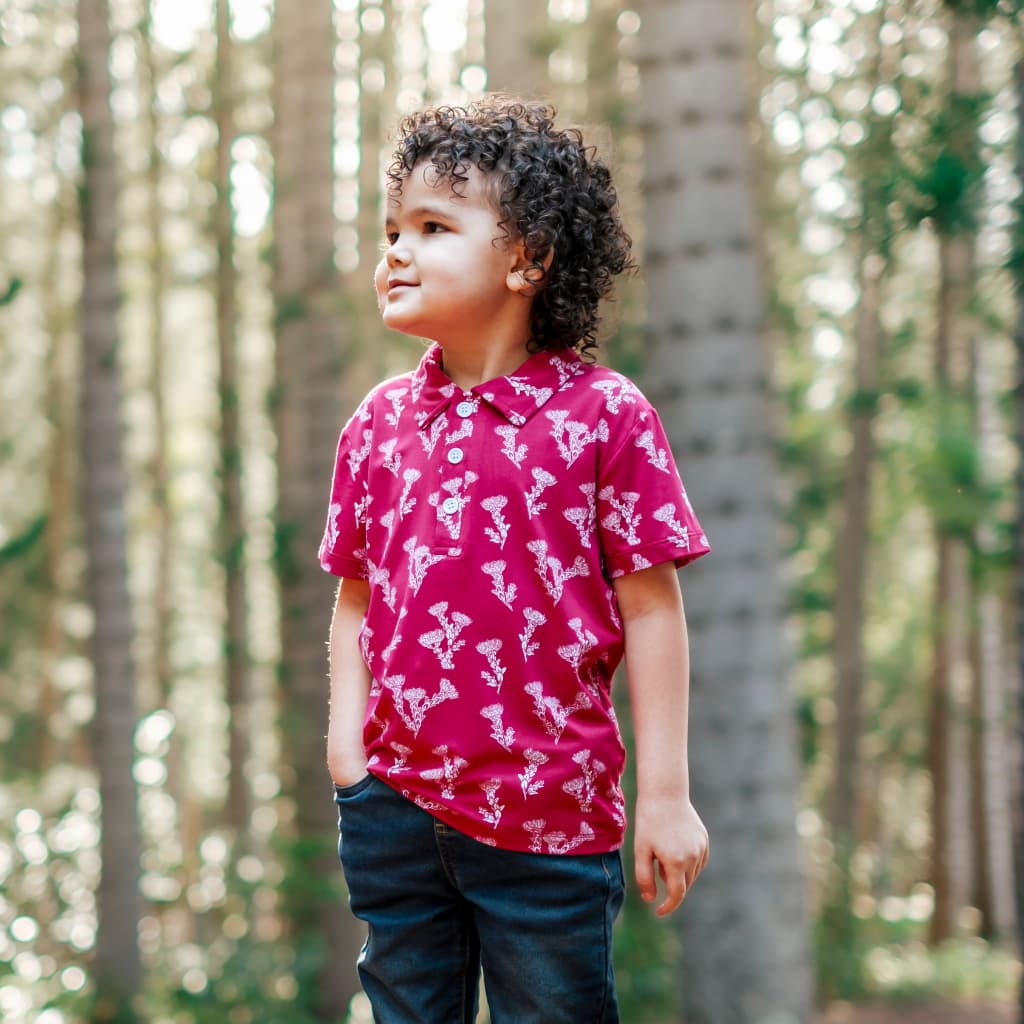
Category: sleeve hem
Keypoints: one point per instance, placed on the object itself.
(623, 563)
(339, 565)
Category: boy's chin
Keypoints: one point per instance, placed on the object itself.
(401, 325)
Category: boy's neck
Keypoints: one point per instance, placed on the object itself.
(469, 367)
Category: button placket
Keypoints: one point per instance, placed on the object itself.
(454, 504)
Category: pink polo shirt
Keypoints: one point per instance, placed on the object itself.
(489, 524)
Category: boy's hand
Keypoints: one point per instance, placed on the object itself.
(345, 769)
(670, 832)
(350, 685)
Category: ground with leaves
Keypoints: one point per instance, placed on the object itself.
(979, 1012)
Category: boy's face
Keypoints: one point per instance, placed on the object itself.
(447, 266)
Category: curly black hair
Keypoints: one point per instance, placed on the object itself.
(549, 190)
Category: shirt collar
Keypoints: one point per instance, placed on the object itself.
(517, 396)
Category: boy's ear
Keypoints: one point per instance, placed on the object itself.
(524, 277)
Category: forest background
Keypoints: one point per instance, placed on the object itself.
(825, 200)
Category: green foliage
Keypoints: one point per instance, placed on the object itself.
(1015, 260)
(909, 390)
(646, 952)
(949, 473)
(291, 308)
(624, 350)
(10, 293)
(985, 10)
(288, 564)
(948, 170)
(306, 887)
(840, 941)
(863, 402)
(259, 983)
(23, 543)
(963, 968)
(808, 730)
(882, 952)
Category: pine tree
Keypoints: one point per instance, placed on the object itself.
(310, 401)
(745, 953)
(117, 969)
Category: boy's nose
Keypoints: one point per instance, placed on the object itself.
(396, 254)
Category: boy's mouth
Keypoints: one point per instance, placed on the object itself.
(394, 285)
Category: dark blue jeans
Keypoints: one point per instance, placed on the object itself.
(440, 905)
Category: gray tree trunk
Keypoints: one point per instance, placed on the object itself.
(873, 160)
(60, 395)
(949, 749)
(232, 524)
(990, 713)
(853, 546)
(1018, 562)
(745, 953)
(117, 965)
(310, 408)
(162, 600)
(515, 47)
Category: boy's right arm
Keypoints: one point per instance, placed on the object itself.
(350, 685)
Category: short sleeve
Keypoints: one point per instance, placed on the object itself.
(643, 513)
(343, 547)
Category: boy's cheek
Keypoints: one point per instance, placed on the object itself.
(380, 283)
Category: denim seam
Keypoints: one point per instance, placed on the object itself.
(464, 946)
(607, 935)
(444, 856)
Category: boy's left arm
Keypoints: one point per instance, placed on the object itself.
(667, 829)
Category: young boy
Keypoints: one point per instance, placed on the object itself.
(506, 520)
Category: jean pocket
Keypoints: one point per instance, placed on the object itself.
(347, 792)
(613, 872)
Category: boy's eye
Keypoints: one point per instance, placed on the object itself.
(390, 237)
(431, 227)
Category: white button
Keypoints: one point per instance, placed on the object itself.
(456, 455)
(465, 409)
(450, 506)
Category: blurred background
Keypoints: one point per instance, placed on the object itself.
(825, 201)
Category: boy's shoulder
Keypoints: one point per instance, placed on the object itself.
(387, 393)
(612, 388)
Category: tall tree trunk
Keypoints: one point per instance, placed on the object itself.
(161, 603)
(873, 161)
(745, 950)
(376, 110)
(162, 600)
(853, 546)
(992, 890)
(514, 45)
(1018, 548)
(310, 407)
(117, 967)
(605, 102)
(376, 101)
(52, 748)
(232, 524)
(949, 741)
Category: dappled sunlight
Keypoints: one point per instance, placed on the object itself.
(861, 198)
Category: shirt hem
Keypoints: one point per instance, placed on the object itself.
(602, 842)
